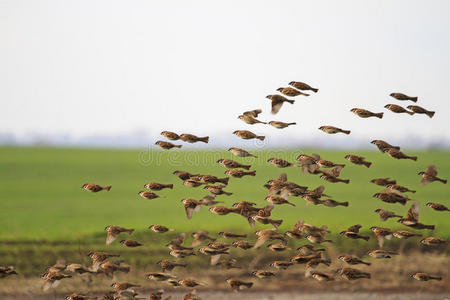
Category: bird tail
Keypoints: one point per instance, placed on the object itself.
(346, 131)
(129, 231)
(251, 173)
(293, 123)
(430, 113)
(290, 101)
(414, 99)
(436, 277)
(276, 223)
(260, 137)
(367, 164)
(431, 227)
(379, 115)
(314, 90)
(178, 146)
(343, 203)
(290, 203)
(107, 188)
(204, 139)
(367, 275)
(410, 112)
(444, 181)
(224, 180)
(365, 237)
(170, 186)
(247, 167)
(346, 181)
(414, 158)
(227, 193)
(366, 263)
(248, 284)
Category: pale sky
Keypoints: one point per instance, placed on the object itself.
(108, 67)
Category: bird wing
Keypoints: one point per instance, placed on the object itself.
(336, 171)
(413, 212)
(110, 237)
(276, 106)
(189, 212)
(380, 239)
(282, 177)
(432, 170)
(354, 228)
(261, 240)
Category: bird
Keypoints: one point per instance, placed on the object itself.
(190, 138)
(200, 236)
(236, 285)
(114, 231)
(425, 277)
(392, 196)
(94, 188)
(240, 152)
(217, 190)
(222, 210)
(352, 260)
(382, 145)
(52, 279)
(168, 266)
(192, 183)
(321, 276)
(191, 206)
(231, 164)
(250, 119)
(230, 235)
(352, 274)
(353, 233)
(242, 244)
(130, 243)
(170, 135)
(181, 253)
(358, 160)
(278, 247)
(437, 206)
(303, 86)
(281, 125)
(403, 97)
(78, 296)
(404, 234)
(279, 163)
(239, 173)
(148, 195)
(333, 203)
(276, 200)
(333, 130)
(267, 221)
(399, 188)
(362, 113)
(254, 113)
(333, 175)
(430, 175)
(155, 186)
(77, 268)
(159, 228)
(183, 175)
(412, 218)
(382, 253)
(288, 91)
(433, 241)
(167, 145)
(420, 110)
(214, 179)
(248, 135)
(158, 276)
(398, 109)
(385, 214)
(277, 102)
(399, 154)
(381, 233)
(6, 271)
(98, 258)
(383, 181)
(281, 264)
(265, 235)
(263, 274)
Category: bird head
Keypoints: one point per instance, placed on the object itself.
(340, 256)
(229, 149)
(409, 107)
(429, 204)
(269, 96)
(150, 227)
(236, 131)
(392, 94)
(376, 195)
(421, 173)
(279, 89)
(107, 227)
(347, 156)
(321, 127)
(387, 106)
(221, 233)
(353, 109)
(377, 210)
(373, 227)
(157, 143)
(342, 232)
(374, 142)
(122, 241)
(84, 185)
(220, 160)
(159, 262)
(292, 83)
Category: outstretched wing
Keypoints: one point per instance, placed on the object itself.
(413, 212)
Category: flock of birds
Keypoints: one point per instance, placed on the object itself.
(279, 191)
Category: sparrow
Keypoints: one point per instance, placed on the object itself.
(309, 250)
(403, 97)
(222, 210)
(156, 295)
(263, 274)
(279, 163)
(281, 125)
(399, 154)
(158, 276)
(288, 91)
(155, 186)
(382, 145)
(309, 164)
(176, 243)
(130, 243)
(278, 247)
(399, 188)
(326, 163)
(321, 276)
(230, 263)
(213, 179)
(254, 113)
(192, 183)
(392, 196)
(231, 164)
(437, 206)
(236, 285)
(433, 241)
(381, 234)
(148, 195)
(333, 130)
(317, 238)
(281, 264)
(190, 138)
(6, 271)
(358, 160)
(250, 119)
(240, 152)
(352, 274)
(190, 283)
(192, 295)
(303, 259)
(424, 277)
(200, 236)
(56, 268)
(267, 221)
(207, 250)
(217, 190)
(404, 234)
(209, 200)
(276, 200)
(412, 218)
(114, 231)
(191, 205)
(94, 188)
(385, 214)
(420, 110)
(430, 175)
(265, 235)
(109, 267)
(362, 113)
(307, 229)
(52, 280)
(181, 253)
(230, 235)
(248, 135)
(277, 102)
(167, 145)
(382, 253)
(183, 175)
(383, 181)
(302, 86)
(77, 296)
(244, 245)
(398, 109)
(333, 203)
(77, 268)
(332, 176)
(352, 260)
(160, 228)
(353, 233)
(98, 258)
(236, 173)
(170, 135)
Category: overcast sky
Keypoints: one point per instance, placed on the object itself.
(112, 67)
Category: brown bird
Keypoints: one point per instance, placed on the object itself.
(6, 271)
(122, 286)
(250, 119)
(321, 276)
(181, 253)
(399, 154)
(424, 277)
(109, 267)
(229, 263)
(267, 221)
(385, 214)
(399, 188)
(190, 283)
(353, 233)
(77, 268)
(279, 163)
(170, 135)
(382, 253)
(191, 205)
(230, 235)
(209, 200)
(277, 102)
(303, 259)
(263, 274)
(239, 173)
(190, 138)
(302, 86)
(183, 175)
(392, 196)
(403, 97)
(383, 181)
(265, 235)
(236, 285)
(333, 203)
(358, 160)
(362, 113)
(309, 250)
(278, 247)
(254, 113)
(332, 176)
(240, 152)
(193, 183)
(114, 231)
(94, 188)
(242, 244)
(156, 295)
(214, 179)
(383, 146)
(248, 135)
(148, 195)
(200, 236)
(130, 243)
(158, 276)
(353, 260)
(288, 91)
(160, 228)
(231, 164)
(398, 109)
(404, 234)
(222, 210)
(437, 206)
(281, 264)
(52, 280)
(412, 218)
(168, 266)
(155, 186)
(167, 145)
(217, 190)
(281, 125)
(420, 110)
(430, 175)
(381, 234)
(433, 241)
(352, 274)
(98, 258)
(333, 130)
(78, 296)
(276, 200)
